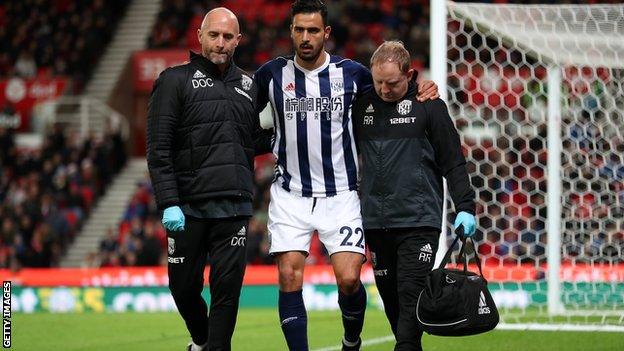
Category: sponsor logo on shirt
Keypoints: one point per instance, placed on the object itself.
(314, 104)
(402, 120)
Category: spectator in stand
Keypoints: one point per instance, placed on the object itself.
(109, 243)
(25, 65)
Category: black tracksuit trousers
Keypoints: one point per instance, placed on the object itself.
(401, 260)
(224, 241)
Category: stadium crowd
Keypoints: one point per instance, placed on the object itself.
(264, 24)
(47, 193)
(44, 38)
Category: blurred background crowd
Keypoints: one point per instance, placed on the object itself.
(46, 194)
(45, 38)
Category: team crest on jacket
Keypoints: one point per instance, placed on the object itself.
(246, 82)
(404, 107)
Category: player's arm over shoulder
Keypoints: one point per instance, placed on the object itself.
(359, 74)
(427, 90)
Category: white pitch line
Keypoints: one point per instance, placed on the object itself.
(560, 327)
(368, 342)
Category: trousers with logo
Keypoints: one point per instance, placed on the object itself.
(223, 240)
(402, 258)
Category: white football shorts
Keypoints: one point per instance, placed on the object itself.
(293, 219)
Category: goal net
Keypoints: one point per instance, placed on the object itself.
(537, 93)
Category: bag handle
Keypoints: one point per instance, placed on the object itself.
(462, 254)
(447, 256)
(477, 259)
(459, 232)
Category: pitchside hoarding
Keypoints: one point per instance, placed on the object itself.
(317, 297)
(145, 289)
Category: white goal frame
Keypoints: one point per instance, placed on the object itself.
(554, 63)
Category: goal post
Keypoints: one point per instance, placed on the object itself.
(537, 93)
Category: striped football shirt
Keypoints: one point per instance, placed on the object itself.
(314, 143)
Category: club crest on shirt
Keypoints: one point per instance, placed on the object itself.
(246, 82)
(336, 85)
(404, 107)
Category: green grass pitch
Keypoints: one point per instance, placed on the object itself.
(258, 330)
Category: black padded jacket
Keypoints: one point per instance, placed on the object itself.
(203, 133)
(406, 148)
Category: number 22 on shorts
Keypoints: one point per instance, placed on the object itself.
(349, 233)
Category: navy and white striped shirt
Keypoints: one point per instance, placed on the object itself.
(314, 142)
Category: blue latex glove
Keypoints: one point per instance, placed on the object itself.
(468, 221)
(173, 219)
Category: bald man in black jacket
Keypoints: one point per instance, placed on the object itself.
(203, 132)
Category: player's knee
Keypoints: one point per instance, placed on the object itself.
(290, 279)
(348, 284)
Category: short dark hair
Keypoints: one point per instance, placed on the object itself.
(309, 6)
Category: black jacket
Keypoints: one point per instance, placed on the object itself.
(406, 148)
(202, 129)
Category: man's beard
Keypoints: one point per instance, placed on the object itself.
(217, 58)
(312, 56)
